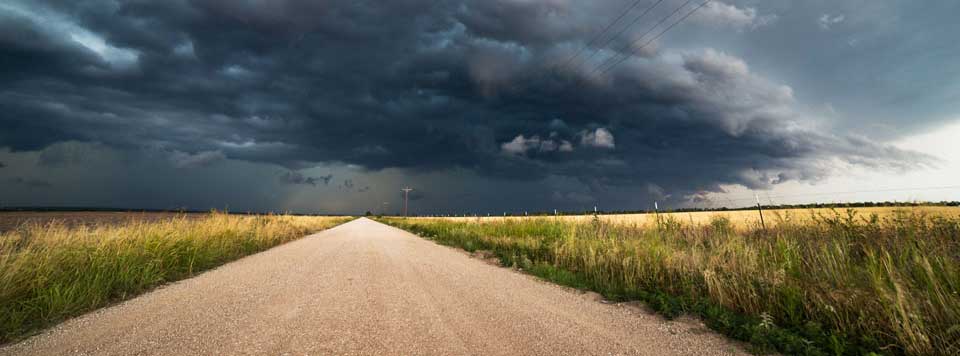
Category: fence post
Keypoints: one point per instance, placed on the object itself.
(656, 213)
(760, 210)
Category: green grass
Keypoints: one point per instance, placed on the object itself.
(835, 284)
(49, 272)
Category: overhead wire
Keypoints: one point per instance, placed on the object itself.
(645, 33)
(624, 29)
(600, 34)
(623, 56)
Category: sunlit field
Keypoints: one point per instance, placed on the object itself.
(10, 220)
(812, 282)
(740, 218)
(53, 270)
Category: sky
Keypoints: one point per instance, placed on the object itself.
(480, 106)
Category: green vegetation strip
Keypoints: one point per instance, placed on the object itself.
(49, 272)
(836, 284)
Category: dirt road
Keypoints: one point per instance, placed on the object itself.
(367, 288)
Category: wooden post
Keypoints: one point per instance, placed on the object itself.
(760, 210)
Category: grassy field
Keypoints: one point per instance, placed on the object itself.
(844, 282)
(10, 220)
(740, 218)
(53, 270)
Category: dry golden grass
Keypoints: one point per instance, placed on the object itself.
(53, 270)
(739, 218)
(839, 282)
(10, 220)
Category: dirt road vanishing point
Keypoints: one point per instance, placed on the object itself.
(367, 288)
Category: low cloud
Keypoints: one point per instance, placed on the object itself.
(656, 191)
(826, 21)
(294, 178)
(196, 160)
(3, 165)
(719, 14)
(600, 137)
(520, 145)
(71, 153)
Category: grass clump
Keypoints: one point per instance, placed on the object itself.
(51, 271)
(834, 284)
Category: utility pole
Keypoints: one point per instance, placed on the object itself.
(406, 194)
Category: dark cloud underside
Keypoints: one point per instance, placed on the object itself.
(420, 85)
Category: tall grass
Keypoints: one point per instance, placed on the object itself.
(52, 271)
(837, 283)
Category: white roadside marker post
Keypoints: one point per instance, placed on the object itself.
(656, 213)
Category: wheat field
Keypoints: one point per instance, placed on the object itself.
(740, 218)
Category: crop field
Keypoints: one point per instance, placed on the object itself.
(739, 218)
(833, 282)
(52, 269)
(10, 220)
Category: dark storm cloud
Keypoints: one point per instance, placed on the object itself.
(416, 195)
(199, 159)
(292, 177)
(32, 183)
(413, 84)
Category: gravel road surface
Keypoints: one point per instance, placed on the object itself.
(365, 288)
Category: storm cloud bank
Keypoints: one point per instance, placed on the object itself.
(417, 85)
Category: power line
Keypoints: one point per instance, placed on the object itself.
(675, 23)
(627, 56)
(611, 39)
(623, 49)
(600, 34)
